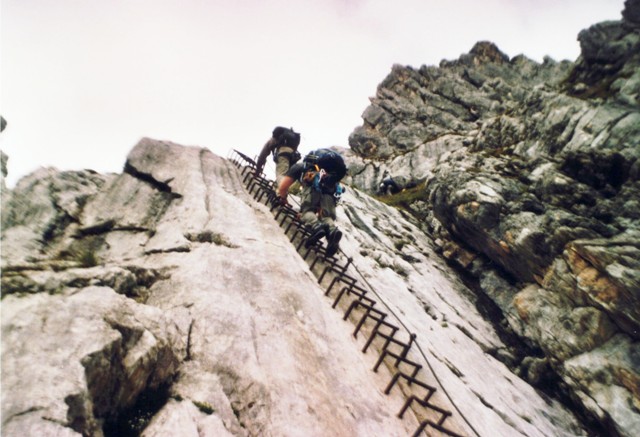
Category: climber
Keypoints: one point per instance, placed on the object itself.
(283, 145)
(319, 174)
(395, 184)
(389, 186)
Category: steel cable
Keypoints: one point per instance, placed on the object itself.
(384, 303)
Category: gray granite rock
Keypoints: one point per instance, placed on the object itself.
(536, 177)
(200, 298)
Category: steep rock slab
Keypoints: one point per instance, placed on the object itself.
(399, 263)
(264, 354)
(257, 355)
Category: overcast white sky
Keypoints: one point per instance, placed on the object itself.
(83, 80)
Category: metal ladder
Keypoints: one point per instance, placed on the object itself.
(360, 306)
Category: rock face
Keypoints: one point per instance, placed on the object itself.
(528, 179)
(168, 279)
(167, 301)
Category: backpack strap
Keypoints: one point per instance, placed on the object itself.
(309, 174)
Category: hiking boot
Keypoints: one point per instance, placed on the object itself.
(317, 232)
(333, 242)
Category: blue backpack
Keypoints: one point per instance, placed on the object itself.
(329, 161)
(323, 170)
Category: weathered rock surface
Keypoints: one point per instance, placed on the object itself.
(170, 276)
(169, 283)
(71, 358)
(167, 298)
(528, 179)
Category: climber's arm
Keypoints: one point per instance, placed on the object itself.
(262, 158)
(285, 184)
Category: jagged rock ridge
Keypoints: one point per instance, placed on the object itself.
(528, 178)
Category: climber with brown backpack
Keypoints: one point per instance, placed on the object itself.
(283, 146)
(319, 175)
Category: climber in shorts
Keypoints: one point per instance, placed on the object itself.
(283, 145)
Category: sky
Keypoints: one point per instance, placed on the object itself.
(82, 81)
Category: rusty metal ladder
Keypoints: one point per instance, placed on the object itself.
(360, 306)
